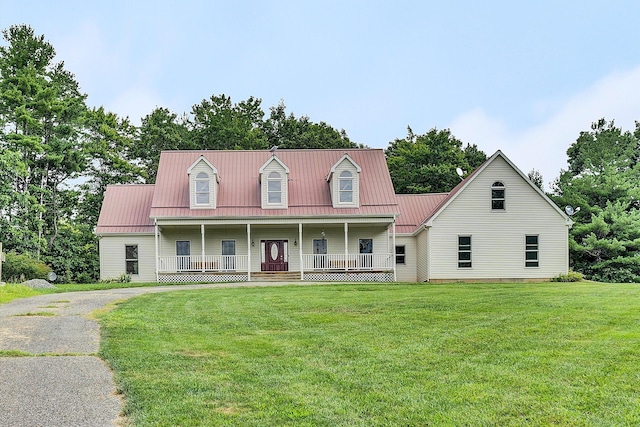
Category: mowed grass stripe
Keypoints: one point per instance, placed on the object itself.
(367, 355)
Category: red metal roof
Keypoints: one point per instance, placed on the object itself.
(415, 209)
(239, 189)
(126, 209)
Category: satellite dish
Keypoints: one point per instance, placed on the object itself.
(571, 211)
(460, 172)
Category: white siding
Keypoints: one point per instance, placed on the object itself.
(407, 272)
(112, 257)
(422, 256)
(498, 237)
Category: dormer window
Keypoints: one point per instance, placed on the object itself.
(497, 196)
(274, 184)
(202, 189)
(344, 183)
(346, 187)
(203, 184)
(274, 188)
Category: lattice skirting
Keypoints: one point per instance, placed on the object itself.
(370, 276)
(202, 278)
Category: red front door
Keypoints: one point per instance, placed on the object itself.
(274, 256)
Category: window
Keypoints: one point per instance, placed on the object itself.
(228, 254)
(202, 188)
(346, 187)
(366, 246)
(131, 258)
(497, 196)
(400, 255)
(274, 188)
(320, 253)
(464, 251)
(531, 251)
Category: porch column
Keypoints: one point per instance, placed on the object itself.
(346, 245)
(393, 254)
(202, 234)
(300, 251)
(155, 235)
(248, 252)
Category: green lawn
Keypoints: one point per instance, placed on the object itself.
(380, 355)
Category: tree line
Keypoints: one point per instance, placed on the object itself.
(57, 155)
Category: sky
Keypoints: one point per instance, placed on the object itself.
(522, 77)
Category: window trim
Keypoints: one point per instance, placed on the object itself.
(271, 178)
(345, 177)
(202, 177)
(402, 255)
(532, 248)
(135, 261)
(498, 202)
(464, 248)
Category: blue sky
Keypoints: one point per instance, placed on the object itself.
(525, 78)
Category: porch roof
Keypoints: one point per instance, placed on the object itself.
(415, 209)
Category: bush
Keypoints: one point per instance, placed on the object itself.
(20, 267)
(572, 276)
(123, 278)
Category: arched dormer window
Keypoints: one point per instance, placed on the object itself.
(203, 193)
(346, 187)
(274, 188)
(497, 196)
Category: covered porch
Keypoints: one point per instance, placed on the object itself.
(358, 249)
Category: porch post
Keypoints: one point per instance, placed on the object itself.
(202, 234)
(300, 251)
(155, 235)
(346, 245)
(393, 254)
(248, 252)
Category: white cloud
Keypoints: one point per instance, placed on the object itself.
(544, 146)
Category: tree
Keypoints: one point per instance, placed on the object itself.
(427, 163)
(602, 180)
(287, 131)
(218, 124)
(41, 108)
(160, 130)
(536, 177)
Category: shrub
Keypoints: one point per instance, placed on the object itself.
(20, 267)
(123, 278)
(572, 276)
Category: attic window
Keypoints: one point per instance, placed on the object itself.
(497, 196)
(274, 188)
(346, 187)
(202, 188)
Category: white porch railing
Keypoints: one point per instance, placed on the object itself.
(210, 263)
(348, 262)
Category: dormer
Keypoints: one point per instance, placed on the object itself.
(344, 182)
(274, 184)
(203, 184)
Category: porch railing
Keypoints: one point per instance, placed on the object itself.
(348, 262)
(210, 263)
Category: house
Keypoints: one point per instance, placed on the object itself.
(321, 215)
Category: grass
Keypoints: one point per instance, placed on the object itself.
(380, 355)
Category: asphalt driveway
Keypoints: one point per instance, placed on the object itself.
(58, 380)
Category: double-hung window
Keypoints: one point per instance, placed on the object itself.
(274, 188)
(131, 259)
(497, 196)
(464, 251)
(401, 255)
(202, 189)
(531, 252)
(346, 187)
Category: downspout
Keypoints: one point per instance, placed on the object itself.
(248, 252)
(155, 235)
(393, 259)
(300, 250)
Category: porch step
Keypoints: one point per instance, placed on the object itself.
(275, 276)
